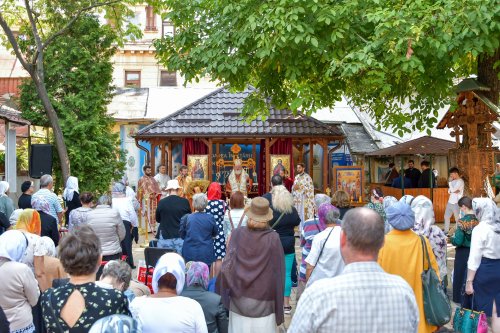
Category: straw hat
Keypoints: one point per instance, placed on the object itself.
(259, 210)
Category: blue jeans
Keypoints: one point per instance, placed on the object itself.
(172, 243)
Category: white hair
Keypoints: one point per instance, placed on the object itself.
(46, 180)
(200, 202)
(282, 200)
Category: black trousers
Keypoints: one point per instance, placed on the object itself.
(127, 243)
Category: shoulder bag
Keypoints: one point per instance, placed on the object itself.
(469, 321)
(437, 308)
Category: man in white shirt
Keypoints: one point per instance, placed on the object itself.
(363, 298)
(456, 191)
(162, 179)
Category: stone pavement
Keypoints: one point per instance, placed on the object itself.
(139, 255)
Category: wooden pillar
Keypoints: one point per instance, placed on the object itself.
(153, 156)
(163, 154)
(210, 153)
(326, 171)
(268, 163)
(311, 158)
(170, 147)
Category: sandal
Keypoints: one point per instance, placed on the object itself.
(287, 310)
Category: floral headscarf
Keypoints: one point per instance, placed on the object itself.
(407, 199)
(116, 323)
(486, 211)
(214, 191)
(424, 225)
(29, 220)
(324, 209)
(197, 274)
(39, 203)
(389, 201)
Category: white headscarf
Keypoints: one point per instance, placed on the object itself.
(49, 245)
(71, 188)
(4, 187)
(15, 216)
(170, 263)
(13, 245)
(485, 210)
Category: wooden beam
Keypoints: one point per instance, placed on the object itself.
(311, 157)
(170, 166)
(272, 142)
(163, 153)
(326, 171)
(210, 153)
(268, 164)
(153, 153)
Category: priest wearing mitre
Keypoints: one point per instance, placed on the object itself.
(238, 180)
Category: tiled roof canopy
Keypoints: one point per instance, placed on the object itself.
(14, 116)
(219, 115)
(426, 145)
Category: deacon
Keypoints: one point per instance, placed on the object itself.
(162, 179)
(184, 181)
(147, 185)
(238, 180)
(303, 194)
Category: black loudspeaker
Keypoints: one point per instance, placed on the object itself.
(40, 160)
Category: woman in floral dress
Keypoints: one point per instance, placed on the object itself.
(217, 207)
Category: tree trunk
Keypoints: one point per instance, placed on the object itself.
(488, 75)
(54, 122)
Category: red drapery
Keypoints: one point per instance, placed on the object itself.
(192, 146)
(281, 146)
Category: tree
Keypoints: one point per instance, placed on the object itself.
(397, 59)
(78, 74)
(43, 22)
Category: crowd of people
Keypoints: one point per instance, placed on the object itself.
(230, 266)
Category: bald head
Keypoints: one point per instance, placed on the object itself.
(364, 230)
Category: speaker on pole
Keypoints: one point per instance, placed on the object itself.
(40, 160)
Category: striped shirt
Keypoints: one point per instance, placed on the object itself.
(362, 299)
(52, 199)
(310, 229)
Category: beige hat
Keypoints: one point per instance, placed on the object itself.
(173, 184)
(259, 210)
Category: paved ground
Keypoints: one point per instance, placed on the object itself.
(139, 255)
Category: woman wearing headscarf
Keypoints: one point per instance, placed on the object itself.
(48, 222)
(19, 289)
(424, 225)
(484, 261)
(184, 314)
(78, 216)
(14, 217)
(310, 229)
(403, 255)
(377, 204)
(251, 282)
(6, 204)
(196, 288)
(198, 231)
(217, 207)
(461, 239)
(71, 196)
(30, 225)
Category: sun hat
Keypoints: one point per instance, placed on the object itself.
(259, 210)
(173, 184)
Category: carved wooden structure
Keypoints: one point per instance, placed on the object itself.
(471, 121)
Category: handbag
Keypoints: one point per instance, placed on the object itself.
(467, 320)
(437, 308)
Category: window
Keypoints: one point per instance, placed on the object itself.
(167, 29)
(168, 79)
(133, 79)
(150, 19)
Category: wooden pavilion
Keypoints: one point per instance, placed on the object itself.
(472, 123)
(426, 148)
(207, 124)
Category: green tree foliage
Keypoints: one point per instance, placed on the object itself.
(78, 75)
(397, 59)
